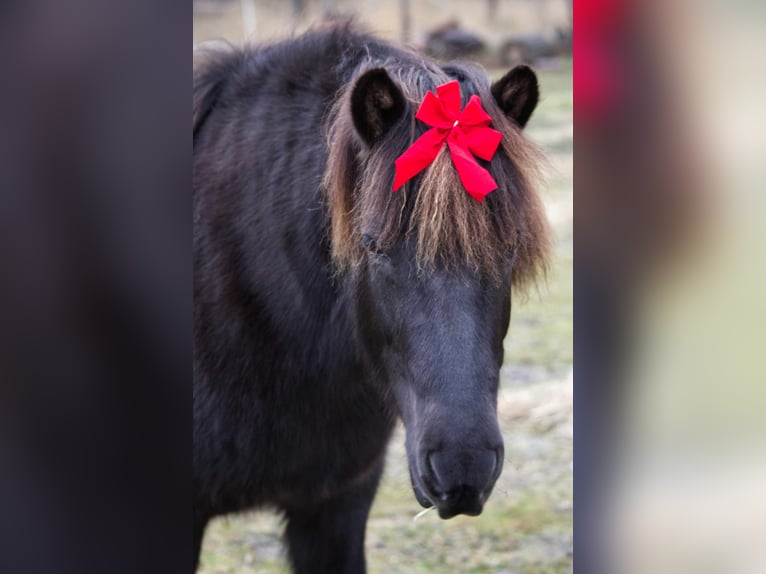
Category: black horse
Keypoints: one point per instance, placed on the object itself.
(326, 306)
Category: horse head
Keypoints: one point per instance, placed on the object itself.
(430, 267)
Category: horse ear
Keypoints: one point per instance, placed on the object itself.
(517, 94)
(377, 103)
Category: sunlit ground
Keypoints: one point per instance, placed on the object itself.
(526, 527)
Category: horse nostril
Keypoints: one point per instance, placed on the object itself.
(494, 463)
(432, 468)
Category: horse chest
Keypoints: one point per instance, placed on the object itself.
(327, 443)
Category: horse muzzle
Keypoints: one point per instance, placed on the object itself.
(456, 481)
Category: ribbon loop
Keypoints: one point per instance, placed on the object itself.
(466, 133)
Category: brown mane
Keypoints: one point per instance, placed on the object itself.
(434, 209)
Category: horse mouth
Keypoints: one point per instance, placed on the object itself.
(462, 501)
(420, 495)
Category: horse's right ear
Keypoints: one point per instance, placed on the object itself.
(377, 103)
(517, 94)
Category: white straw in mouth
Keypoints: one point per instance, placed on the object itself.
(423, 512)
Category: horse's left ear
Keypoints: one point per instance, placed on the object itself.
(377, 103)
(517, 94)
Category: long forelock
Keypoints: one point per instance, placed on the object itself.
(448, 226)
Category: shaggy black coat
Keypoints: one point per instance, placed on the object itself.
(282, 412)
(289, 410)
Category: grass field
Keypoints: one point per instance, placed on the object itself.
(526, 527)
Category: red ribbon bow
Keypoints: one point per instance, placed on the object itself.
(466, 133)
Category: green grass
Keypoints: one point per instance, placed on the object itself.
(526, 526)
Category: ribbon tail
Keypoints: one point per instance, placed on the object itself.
(418, 157)
(478, 182)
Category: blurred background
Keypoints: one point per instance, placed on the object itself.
(500, 32)
(526, 526)
(670, 380)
